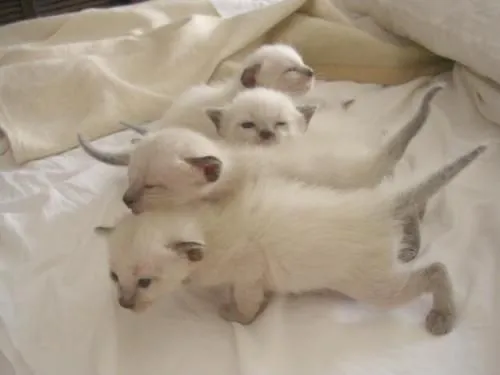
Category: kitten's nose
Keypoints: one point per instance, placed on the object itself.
(308, 72)
(126, 303)
(128, 200)
(266, 134)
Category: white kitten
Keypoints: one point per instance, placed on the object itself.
(178, 165)
(261, 116)
(275, 66)
(284, 237)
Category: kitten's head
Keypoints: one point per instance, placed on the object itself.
(261, 116)
(279, 67)
(172, 167)
(151, 255)
(169, 167)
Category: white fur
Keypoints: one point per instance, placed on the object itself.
(158, 169)
(277, 235)
(280, 237)
(260, 116)
(279, 69)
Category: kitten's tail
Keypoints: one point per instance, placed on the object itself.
(419, 193)
(113, 158)
(395, 146)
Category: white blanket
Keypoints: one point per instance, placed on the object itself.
(88, 71)
(465, 31)
(58, 308)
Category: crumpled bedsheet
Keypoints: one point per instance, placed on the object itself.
(58, 312)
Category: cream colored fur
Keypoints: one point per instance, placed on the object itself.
(279, 236)
(160, 174)
(261, 116)
(274, 66)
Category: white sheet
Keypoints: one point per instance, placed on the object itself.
(60, 317)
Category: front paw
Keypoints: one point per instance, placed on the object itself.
(230, 313)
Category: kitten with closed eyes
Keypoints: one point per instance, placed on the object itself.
(261, 116)
(177, 166)
(274, 66)
(298, 238)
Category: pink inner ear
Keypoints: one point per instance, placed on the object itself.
(210, 167)
(249, 76)
(212, 171)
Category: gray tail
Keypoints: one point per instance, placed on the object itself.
(421, 192)
(118, 158)
(395, 147)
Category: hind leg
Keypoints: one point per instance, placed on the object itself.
(395, 290)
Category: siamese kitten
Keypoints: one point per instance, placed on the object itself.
(275, 66)
(177, 165)
(261, 116)
(282, 236)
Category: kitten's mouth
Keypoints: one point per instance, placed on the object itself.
(267, 142)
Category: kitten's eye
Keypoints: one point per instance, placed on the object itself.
(149, 186)
(281, 123)
(144, 283)
(247, 125)
(114, 277)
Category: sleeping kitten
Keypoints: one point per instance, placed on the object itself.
(275, 66)
(260, 116)
(179, 161)
(298, 238)
(175, 166)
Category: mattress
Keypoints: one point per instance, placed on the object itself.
(58, 312)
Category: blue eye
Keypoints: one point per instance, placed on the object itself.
(247, 125)
(281, 123)
(144, 283)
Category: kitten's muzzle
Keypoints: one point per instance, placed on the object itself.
(128, 200)
(308, 72)
(266, 135)
(132, 203)
(127, 303)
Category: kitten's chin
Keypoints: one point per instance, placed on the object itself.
(142, 307)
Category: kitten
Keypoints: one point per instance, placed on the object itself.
(274, 66)
(179, 165)
(260, 116)
(278, 236)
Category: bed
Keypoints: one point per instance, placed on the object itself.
(57, 311)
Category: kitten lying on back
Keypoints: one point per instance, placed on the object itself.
(279, 236)
(274, 66)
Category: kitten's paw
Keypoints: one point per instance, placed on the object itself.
(230, 313)
(407, 254)
(439, 322)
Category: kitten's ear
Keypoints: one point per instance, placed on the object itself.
(103, 231)
(249, 76)
(192, 250)
(209, 165)
(215, 114)
(308, 111)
